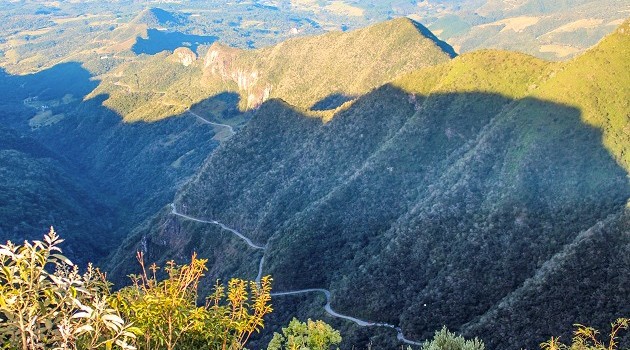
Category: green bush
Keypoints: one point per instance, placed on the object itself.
(218, 324)
(61, 309)
(586, 338)
(445, 340)
(312, 335)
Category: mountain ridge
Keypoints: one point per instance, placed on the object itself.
(302, 71)
(474, 180)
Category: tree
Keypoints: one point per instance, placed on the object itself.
(312, 335)
(445, 340)
(62, 309)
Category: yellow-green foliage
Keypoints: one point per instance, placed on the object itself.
(445, 340)
(154, 88)
(65, 310)
(61, 309)
(587, 338)
(510, 74)
(167, 315)
(301, 71)
(597, 83)
(312, 335)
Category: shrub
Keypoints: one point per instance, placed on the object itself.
(312, 335)
(445, 340)
(61, 309)
(586, 338)
(167, 315)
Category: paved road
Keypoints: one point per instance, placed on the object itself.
(229, 127)
(327, 307)
(214, 222)
(359, 322)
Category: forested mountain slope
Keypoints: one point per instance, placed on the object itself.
(135, 164)
(458, 195)
(39, 189)
(130, 170)
(319, 72)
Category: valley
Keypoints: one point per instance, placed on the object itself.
(390, 183)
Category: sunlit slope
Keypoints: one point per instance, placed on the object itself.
(307, 70)
(599, 83)
(320, 72)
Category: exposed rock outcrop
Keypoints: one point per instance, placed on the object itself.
(221, 61)
(185, 56)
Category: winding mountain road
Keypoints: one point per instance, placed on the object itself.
(214, 222)
(204, 120)
(328, 308)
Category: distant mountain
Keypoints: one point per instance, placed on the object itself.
(306, 71)
(156, 17)
(302, 71)
(487, 193)
(104, 35)
(549, 29)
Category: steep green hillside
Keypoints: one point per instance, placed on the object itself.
(319, 72)
(600, 81)
(305, 71)
(458, 195)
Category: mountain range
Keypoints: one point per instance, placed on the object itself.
(373, 171)
(480, 193)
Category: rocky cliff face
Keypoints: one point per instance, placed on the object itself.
(185, 56)
(221, 61)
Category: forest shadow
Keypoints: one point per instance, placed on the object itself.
(462, 198)
(224, 105)
(91, 145)
(458, 203)
(441, 44)
(332, 101)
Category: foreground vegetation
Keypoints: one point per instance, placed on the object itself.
(68, 310)
(64, 309)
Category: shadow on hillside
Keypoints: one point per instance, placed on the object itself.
(432, 215)
(47, 84)
(159, 40)
(441, 44)
(166, 18)
(428, 216)
(115, 161)
(332, 101)
(221, 106)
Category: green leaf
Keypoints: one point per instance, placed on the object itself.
(84, 329)
(81, 314)
(114, 318)
(62, 258)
